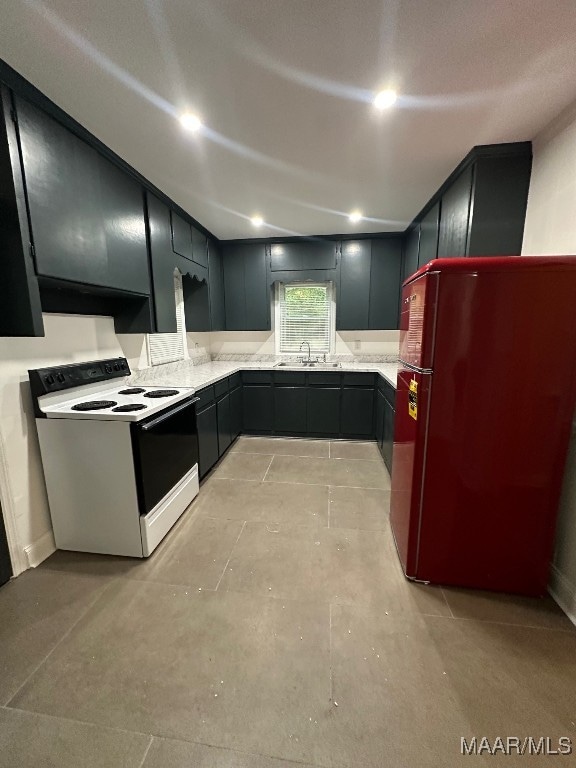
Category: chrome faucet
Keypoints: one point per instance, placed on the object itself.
(307, 343)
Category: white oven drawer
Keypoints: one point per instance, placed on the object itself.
(156, 524)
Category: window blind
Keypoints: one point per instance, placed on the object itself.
(169, 347)
(305, 315)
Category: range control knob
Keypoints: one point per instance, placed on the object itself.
(116, 366)
(108, 368)
(49, 380)
(61, 378)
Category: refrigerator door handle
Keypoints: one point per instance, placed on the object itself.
(415, 367)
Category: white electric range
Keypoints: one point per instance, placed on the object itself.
(120, 460)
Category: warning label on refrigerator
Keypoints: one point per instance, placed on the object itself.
(413, 399)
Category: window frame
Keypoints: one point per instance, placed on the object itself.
(279, 288)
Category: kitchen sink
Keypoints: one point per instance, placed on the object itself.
(318, 364)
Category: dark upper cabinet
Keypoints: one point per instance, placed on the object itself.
(429, 230)
(352, 307)
(411, 250)
(303, 255)
(216, 288)
(196, 300)
(246, 290)
(86, 215)
(455, 206)
(162, 263)
(181, 236)
(199, 247)
(385, 283)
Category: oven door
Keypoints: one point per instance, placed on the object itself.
(165, 450)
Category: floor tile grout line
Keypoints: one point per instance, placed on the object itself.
(330, 650)
(447, 603)
(329, 500)
(146, 752)
(569, 630)
(295, 482)
(64, 636)
(268, 470)
(230, 555)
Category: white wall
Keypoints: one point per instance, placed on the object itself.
(551, 229)
(263, 342)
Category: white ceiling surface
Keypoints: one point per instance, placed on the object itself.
(284, 89)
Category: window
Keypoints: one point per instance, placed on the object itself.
(304, 312)
(169, 347)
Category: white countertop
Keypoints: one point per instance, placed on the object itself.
(198, 376)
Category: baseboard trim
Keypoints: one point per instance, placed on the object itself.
(42, 548)
(563, 592)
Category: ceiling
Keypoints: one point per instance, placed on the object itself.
(285, 87)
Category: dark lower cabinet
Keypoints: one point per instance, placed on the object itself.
(207, 422)
(290, 410)
(379, 425)
(357, 412)
(257, 408)
(388, 434)
(223, 412)
(235, 413)
(323, 408)
(5, 565)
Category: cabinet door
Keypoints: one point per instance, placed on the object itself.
(124, 228)
(181, 236)
(411, 249)
(323, 411)
(357, 412)
(353, 306)
(199, 247)
(385, 284)
(257, 291)
(234, 295)
(289, 410)
(388, 434)
(429, 228)
(62, 177)
(257, 411)
(207, 422)
(196, 304)
(380, 405)
(454, 216)
(216, 288)
(223, 409)
(162, 263)
(306, 254)
(235, 413)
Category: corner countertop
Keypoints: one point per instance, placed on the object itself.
(186, 374)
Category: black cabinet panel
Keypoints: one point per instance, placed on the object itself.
(235, 412)
(289, 409)
(257, 291)
(205, 396)
(162, 263)
(429, 229)
(62, 176)
(199, 247)
(357, 412)
(234, 294)
(257, 408)
(379, 424)
(216, 288)
(411, 250)
(181, 236)
(385, 284)
(303, 255)
(207, 422)
(223, 409)
(358, 379)
(323, 409)
(455, 214)
(196, 303)
(353, 306)
(388, 434)
(221, 387)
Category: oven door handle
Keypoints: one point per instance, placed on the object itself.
(160, 419)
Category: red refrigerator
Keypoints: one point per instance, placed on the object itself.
(484, 407)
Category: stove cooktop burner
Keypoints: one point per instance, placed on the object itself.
(161, 393)
(129, 407)
(131, 391)
(94, 405)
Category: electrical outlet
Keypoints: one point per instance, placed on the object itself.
(356, 345)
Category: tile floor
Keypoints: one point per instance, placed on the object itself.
(273, 627)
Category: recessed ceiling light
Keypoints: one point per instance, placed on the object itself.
(355, 216)
(385, 99)
(190, 122)
(257, 221)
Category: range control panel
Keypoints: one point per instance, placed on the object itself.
(45, 380)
